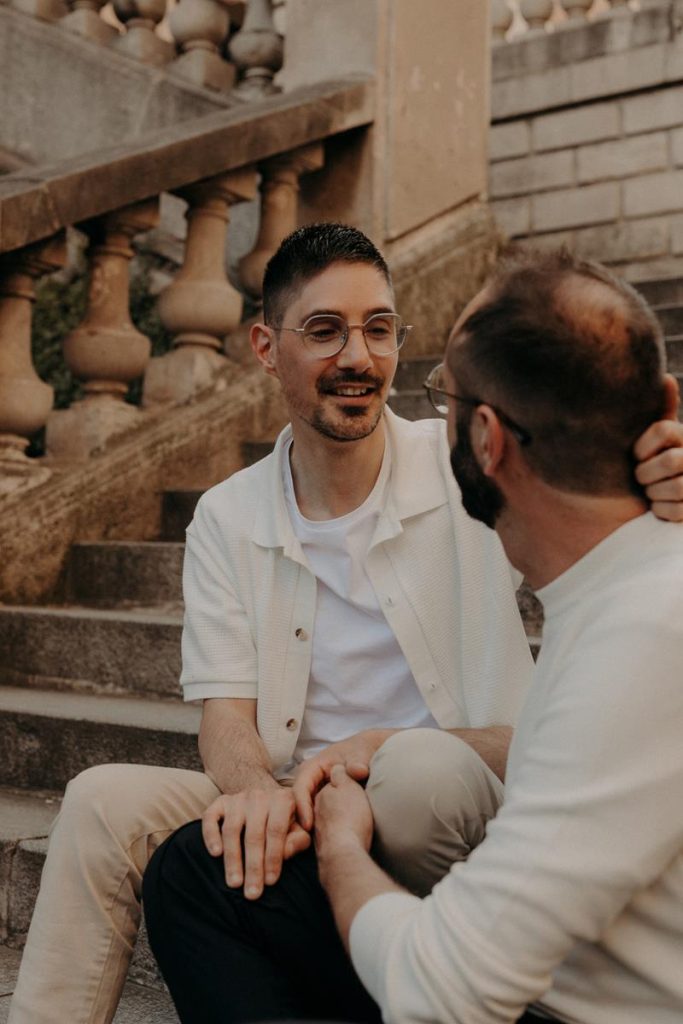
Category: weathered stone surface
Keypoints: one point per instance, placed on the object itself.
(653, 193)
(629, 240)
(572, 127)
(661, 109)
(35, 206)
(92, 650)
(113, 573)
(532, 174)
(623, 157)
(49, 737)
(116, 495)
(513, 216)
(509, 140)
(592, 204)
(177, 511)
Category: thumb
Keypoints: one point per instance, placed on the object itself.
(338, 776)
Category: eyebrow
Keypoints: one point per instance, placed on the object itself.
(336, 312)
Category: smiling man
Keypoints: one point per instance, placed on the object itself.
(336, 594)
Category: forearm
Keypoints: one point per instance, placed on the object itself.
(232, 752)
(492, 744)
(350, 878)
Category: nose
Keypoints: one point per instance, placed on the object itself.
(355, 353)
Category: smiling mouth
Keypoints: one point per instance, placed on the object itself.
(347, 391)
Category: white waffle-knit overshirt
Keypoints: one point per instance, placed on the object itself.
(443, 581)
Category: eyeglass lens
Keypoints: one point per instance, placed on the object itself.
(384, 333)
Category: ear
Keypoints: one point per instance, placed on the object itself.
(262, 340)
(488, 440)
(671, 392)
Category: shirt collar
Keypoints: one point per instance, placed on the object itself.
(416, 485)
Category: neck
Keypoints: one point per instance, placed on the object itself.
(544, 534)
(332, 478)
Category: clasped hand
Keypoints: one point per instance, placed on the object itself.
(272, 823)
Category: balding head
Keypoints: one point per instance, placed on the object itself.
(575, 356)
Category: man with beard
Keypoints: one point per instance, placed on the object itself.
(325, 612)
(573, 901)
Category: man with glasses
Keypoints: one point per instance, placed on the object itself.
(325, 613)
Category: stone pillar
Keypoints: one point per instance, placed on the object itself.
(537, 13)
(140, 39)
(25, 400)
(84, 19)
(577, 9)
(279, 210)
(45, 10)
(257, 51)
(106, 351)
(200, 306)
(200, 28)
(501, 20)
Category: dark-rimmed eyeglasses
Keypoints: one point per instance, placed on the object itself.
(434, 386)
(325, 334)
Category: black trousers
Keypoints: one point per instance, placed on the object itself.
(228, 960)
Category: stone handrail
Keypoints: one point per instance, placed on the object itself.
(212, 163)
(512, 18)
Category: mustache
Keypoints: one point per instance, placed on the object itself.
(368, 380)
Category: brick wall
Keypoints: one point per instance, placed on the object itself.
(586, 143)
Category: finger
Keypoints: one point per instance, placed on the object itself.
(307, 782)
(671, 510)
(279, 820)
(231, 835)
(664, 434)
(667, 464)
(357, 770)
(211, 828)
(297, 841)
(338, 775)
(254, 848)
(666, 490)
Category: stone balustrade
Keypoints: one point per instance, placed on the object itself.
(512, 18)
(216, 44)
(199, 308)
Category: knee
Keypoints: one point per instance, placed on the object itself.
(422, 776)
(107, 797)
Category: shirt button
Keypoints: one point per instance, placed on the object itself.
(292, 724)
(389, 602)
(301, 634)
(432, 686)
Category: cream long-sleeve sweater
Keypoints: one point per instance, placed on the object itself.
(575, 897)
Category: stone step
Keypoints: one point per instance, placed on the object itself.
(667, 291)
(47, 737)
(124, 573)
(92, 650)
(140, 1004)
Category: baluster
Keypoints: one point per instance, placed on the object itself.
(140, 40)
(105, 351)
(537, 13)
(279, 208)
(577, 10)
(257, 50)
(200, 306)
(84, 19)
(45, 10)
(618, 6)
(25, 400)
(501, 20)
(200, 28)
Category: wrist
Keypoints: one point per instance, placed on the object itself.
(335, 848)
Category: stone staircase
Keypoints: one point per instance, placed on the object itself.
(94, 678)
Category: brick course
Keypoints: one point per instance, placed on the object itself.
(623, 157)
(566, 208)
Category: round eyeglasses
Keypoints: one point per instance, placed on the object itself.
(437, 393)
(325, 334)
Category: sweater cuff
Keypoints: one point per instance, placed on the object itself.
(373, 930)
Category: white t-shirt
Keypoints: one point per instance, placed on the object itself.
(359, 678)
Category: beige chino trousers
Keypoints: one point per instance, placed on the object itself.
(431, 796)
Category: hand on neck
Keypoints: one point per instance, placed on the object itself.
(332, 478)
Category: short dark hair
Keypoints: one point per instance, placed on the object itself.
(306, 253)
(576, 356)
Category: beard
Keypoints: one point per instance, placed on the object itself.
(352, 422)
(482, 499)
